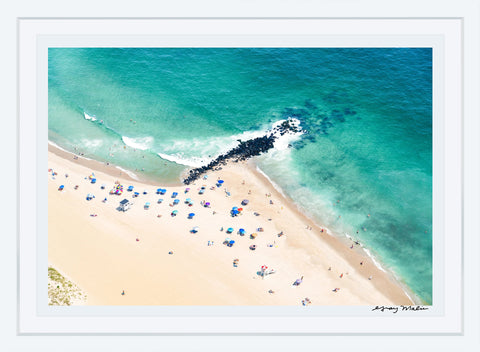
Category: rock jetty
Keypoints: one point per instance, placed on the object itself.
(246, 149)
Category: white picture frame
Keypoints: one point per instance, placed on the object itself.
(450, 31)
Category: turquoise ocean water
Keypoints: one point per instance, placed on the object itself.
(368, 113)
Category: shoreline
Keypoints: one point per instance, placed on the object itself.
(385, 283)
(336, 240)
(110, 169)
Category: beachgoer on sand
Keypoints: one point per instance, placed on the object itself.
(298, 281)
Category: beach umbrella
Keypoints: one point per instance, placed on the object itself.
(191, 215)
(220, 182)
(176, 201)
(240, 209)
(174, 194)
(159, 190)
(94, 180)
(160, 200)
(241, 231)
(245, 202)
(195, 229)
(61, 187)
(188, 200)
(234, 208)
(207, 204)
(174, 212)
(235, 212)
(187, 189)
(229, 230)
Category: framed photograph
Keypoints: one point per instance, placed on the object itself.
(240, 176)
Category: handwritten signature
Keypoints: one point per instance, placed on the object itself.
(396, 309)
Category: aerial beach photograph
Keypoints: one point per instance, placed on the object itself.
(240, 176)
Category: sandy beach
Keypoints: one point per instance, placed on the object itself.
(148, 257)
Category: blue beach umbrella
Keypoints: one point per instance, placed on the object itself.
(235, 208)
(191, 215)
(176, 201)
(242, 231)
(130, 188)
(188, 200)
(174, 194)
(229, 230)
(175, 212)
(220, 182)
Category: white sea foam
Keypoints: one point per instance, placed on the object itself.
(89, 117)
(91, 143)
(200, 152)
(377, 264)
(180, 159)
(129, 173)
(142, 143)
(277, 187)
(57, 146)
(284, 142)
(66, 151)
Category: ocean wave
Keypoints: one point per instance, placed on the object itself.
(129, 173)
(182, 160)
(89, 117)
(377, 264)
(58, 147)
(142, 143)
(91, 143)
(283, 142)
(200, 152)
(277, 187)
(67, 151)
